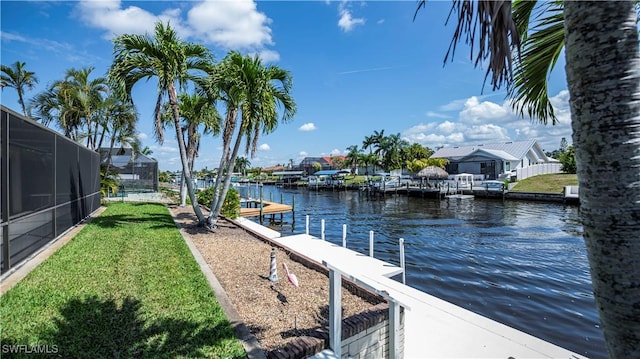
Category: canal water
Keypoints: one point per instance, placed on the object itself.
(523, 264)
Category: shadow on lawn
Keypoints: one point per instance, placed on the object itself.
(158, 220)
(94, 328)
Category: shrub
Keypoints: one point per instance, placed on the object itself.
(230, 206)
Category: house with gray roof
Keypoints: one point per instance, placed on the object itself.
(497, 161)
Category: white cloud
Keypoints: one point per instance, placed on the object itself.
(231, 24)
(447, 127)
(476, 112)
(142, 136)
(116, 20)
(264, 147)
(454, 105)
(486, 133)
(236, 25)
(303, 154)
(436, 115)
(268, 55)
(347, 22)
(489, 122)
(335, 152)
(310, 126)
(380, 22)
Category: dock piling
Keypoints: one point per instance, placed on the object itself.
(402, 264)
(307, 225)
(322, 229)
(370, 243)
(344, 235)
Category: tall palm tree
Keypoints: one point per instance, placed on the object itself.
(15, 76)
(602, 56)
(88, 96)
(200, 117)
(174, 63)
(256, 92)
(57, 104)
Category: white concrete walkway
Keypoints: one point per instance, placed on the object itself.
(434, 328)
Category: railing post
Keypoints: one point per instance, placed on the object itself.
(402, 264)
(394, 329)
(344, 235)
(322, 229)
(335, 312)
(307, 225)
(370, 243)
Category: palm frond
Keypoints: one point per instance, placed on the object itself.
(540, 52)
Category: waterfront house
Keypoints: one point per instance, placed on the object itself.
(326, 163)
(498, 161)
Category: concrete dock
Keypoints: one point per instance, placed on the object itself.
(434, 328)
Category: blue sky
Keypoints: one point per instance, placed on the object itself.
(357, 67)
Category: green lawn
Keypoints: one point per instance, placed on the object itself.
(551, 183)
(125, 286)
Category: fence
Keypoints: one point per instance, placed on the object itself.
(49, 184)
(540, 169)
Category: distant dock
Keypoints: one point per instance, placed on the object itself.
(259, 208)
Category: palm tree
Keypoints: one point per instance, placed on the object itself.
(602, 55)
(353, 158)
(122, 129)
(256, 91)
(15, 76)
(241, 165)
(57, 104)
(88, 97)
(174, 63)
(200, 117)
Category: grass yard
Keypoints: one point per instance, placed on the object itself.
(125, 286)
(551, 183)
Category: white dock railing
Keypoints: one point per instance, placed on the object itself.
(371, 242)
(335, 311)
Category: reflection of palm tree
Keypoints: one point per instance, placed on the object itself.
(602, 55)
(257, 91)
(172, 61)
(15, 76)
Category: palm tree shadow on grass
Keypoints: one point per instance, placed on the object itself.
(95, 328)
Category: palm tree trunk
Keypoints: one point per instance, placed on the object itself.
(173, 100)
(227, 180)
(230, 126)
(602, 72)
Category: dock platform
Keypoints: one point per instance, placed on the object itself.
(434, 328)
(263, 208)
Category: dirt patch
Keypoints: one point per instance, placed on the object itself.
(275, 313)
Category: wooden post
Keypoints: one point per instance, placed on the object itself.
(261, 205)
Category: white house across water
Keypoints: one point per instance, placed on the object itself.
(499, 161)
